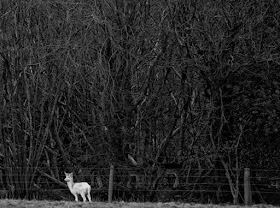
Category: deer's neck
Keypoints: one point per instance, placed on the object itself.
(70, 185)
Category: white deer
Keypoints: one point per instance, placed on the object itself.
(82, 188)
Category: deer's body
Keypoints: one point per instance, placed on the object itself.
(82, 188)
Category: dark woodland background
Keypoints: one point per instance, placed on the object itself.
(145, 85)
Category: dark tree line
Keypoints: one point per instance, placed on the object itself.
(85, 84)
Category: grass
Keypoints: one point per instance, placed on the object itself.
(7, 203)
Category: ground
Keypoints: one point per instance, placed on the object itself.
(67, 204)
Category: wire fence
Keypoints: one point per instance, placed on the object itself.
(194, 184)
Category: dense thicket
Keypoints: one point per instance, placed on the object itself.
(190, 83)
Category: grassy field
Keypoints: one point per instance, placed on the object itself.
(67, 204)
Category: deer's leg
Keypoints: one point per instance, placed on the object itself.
(76, 197)
(84, 197)
(88, 194)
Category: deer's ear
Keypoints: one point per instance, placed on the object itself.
(65, 173)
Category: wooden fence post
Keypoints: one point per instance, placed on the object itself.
(247, 187)
(111, 182)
